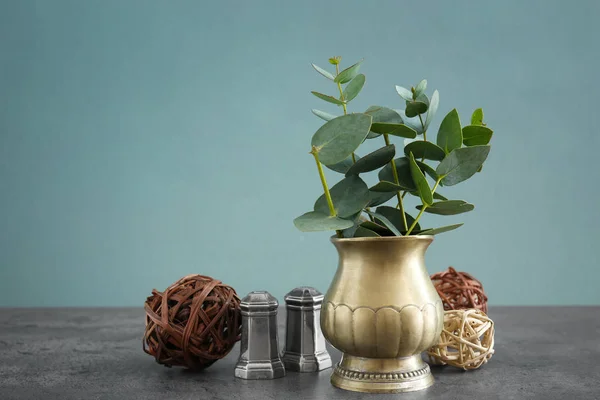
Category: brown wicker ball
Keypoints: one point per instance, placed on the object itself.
(193, 323)
(459, 290)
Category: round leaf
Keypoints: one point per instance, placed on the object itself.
(323, 115)
(373, 161)
(420, 182)
(449, 207)
(414, 108)
(349, 196)
(461, 164)
(354, 87)
(450, 135)
(329, 99)
(474, 135)
(394, 129)
(420, 88)
(343, 166)
(404, 176)
(382, 114)
(323, 72)
(338, 138)
(316, 221)
(477, 117)
(348, 74)
(404, 93)
(427, 150)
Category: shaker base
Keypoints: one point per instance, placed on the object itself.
(259, 370)
(306, 362)
(382, 375)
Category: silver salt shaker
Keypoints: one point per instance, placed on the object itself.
(259, 350)
(305, 349)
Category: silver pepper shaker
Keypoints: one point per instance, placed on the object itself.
(259, 350)
(305, 349)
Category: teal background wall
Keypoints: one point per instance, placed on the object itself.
(144, 140)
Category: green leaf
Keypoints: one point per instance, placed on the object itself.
(343, 166)
(428, 170)
(404, 93)
(474, 135)
(348, 74)
(329, 99)
(316, 221)
(438, 196)
(423, 99)
(354, 87)
(385, 221)
(349, 196)
(338, 138)
(386, 186)
(404, 175)
(433, 107)
(477, 117)
(414, 108)
(364, 232)
(356, 219)
(449, 207)
(450, 134)
(323, 72)
(395, 217)
(323, 115)
(427, 150)
(461, 164)
(378, 198)
(420, 88)
(394, 129)
(412, 123)
(420, 181)
(373, 161)
(383, 115)
(375, 227)
(443, 229)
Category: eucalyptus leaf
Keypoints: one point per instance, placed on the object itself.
(461, 164)
(414, 123)
(404, 93)
(356, 219)
(385, 221)
(383, 115)
(450, 134)
(414, 108)
(393, 129)
(354, 87)
(348, 74)
(438, 196)
(329, 99)
(364, 232)
(349, 196)
(375, 227)
(386, 186)
(477, 117)
(423, 99)
(378, 198)
(395, 217)
(420, 181)
(443, 229)
(423, 149)
(323, 115)
(343, 166)
(404, 175)
(373, 161)
(338, 138)
(323, 72)
(449, 207)
(428, 170)
(474, 135)
(433, 107)
(316, 221)
(420, 88)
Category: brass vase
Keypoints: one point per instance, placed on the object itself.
(381, 311)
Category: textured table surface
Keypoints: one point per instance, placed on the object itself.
(541, 353)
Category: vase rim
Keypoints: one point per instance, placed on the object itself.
(425, 238)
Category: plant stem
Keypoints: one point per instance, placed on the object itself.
(332, 211)
(397, 182)
(423, 126)
(412, 226)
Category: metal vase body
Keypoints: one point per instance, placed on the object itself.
(381, 311)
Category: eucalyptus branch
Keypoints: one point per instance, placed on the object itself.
(332, 211)
(412, 226)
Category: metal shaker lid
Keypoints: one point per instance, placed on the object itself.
(304, 296)
(259, 301)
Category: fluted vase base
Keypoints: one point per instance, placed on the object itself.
(381, 375)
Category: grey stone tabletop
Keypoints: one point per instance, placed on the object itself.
(541, 353)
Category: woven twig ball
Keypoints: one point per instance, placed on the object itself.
(467, 340)
(193, 323)
(459, 290)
